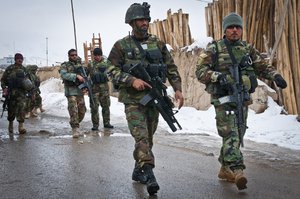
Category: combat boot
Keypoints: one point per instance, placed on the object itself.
(138, 175)
(240, 179)
(75, 132)
(108, 126)
(27, 115)
(41, 109)
(34, 112)
(152, 185)
(226, 173)
(22, 130)
(10, 127)
(95, 127)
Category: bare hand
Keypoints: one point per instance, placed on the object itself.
(179, 98)
(5, 92)
(140, 85)
(80, 78)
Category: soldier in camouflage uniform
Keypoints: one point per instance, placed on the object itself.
(97, 72)
(35, 99)
(72, 79)
(142, 120)
(16, 86)
(213, 70)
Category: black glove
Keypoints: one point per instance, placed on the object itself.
(222, 79)
(280, 82)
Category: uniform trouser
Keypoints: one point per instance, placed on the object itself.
(17, 108)
(142, 123)
(103, 99)
(77, 109)
(33, 101)
(230, 153)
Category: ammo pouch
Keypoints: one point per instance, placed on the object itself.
(153, 56)
(18, 81)
(99, 78)
(157, 70)
(217, 89)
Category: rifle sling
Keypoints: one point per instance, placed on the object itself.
(232, 57)
(139, 46)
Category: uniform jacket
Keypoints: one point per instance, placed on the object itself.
(68, 74)
(125, 51)
(217, 58)
(98, 74)
(11, 81)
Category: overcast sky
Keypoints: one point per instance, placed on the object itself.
(26, 24)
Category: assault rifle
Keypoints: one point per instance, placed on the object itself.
(239, 96)
(86, 84)
(157, 95)
(5, 103)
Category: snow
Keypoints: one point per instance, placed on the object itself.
(268, 127)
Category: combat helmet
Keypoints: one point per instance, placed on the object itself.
(137, 11)
(32, 67)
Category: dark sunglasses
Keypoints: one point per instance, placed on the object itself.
(234, 26)
(72, 55)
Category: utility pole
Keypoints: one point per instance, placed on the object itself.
(47, 50)
(74, 24)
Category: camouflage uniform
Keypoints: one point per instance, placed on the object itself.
(35, 99)
(100, 89)
(142, 120)
(217, 59)
(13, 79)
(76, 104)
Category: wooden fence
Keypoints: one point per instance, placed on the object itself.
(174, 30)
(272, 27)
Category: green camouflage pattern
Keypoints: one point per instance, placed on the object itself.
(34, 98)
(210, 62)
(77, 109)
(68, 75)
(142, 120)
(125, 51)
(17, 103)
(225, 121)
(100, 92)
(142, 123)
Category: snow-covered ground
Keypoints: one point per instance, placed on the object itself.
(268, 127)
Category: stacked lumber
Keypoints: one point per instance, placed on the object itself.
(272, 27)
(174, 30)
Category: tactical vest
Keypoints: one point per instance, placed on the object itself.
(98, 72)
(151, 57)
(18, 78)
(221, 62)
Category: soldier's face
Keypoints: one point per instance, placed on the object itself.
(233, 33)
(141, 26)
(97, 58)
(19, 61)
(73, 56)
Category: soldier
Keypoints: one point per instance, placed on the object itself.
(72, 79)
(97, 71)
(215, 69)
(35, 99)
(141, 47)
(16, 86)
